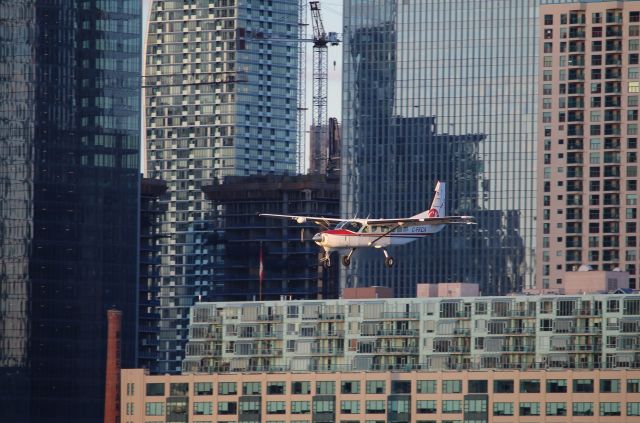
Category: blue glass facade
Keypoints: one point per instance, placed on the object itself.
(442, 89)
(69, 146)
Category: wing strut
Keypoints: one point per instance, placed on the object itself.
(385, 234)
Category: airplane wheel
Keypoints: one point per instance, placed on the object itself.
(389, 261)
(346, 261)
(326, 264)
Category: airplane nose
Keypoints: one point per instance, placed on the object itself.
(318, 238)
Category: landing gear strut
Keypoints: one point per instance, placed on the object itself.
(326, 260)
(388, 260)
(346, 260)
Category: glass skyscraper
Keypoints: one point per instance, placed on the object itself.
(221, 89)
(69, 171)
(443, 89)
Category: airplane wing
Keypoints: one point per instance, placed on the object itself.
(318, 220)
(412, 221)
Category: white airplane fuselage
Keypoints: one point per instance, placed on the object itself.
(341, 238)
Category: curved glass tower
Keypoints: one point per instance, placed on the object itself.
(220, 100)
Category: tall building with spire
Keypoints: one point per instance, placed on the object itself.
(69, 193)
(220, 100)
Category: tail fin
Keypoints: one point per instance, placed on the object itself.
(437, 208)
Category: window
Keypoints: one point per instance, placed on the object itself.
(397, 406)
(203, 408)
(633, 386)
(610, 385)
(548, 19)
(633, 409)
(350, 387)
(325, 388)
(583, 409)
(634, 73)
(529, 408)
(300, 388)
(227, 388)
(556, 409)
(375, 386)
(276, 388)
(350, 407)
(276, 407)
(155, 389)
(503, 409)
(154, 408)
(251, 388)
(400, 386)
(203, 388)
(556, 385)
(582, 385)
(375, 407)
(227, 408)
(634, 87)
(477, 386)
(451, 406)
(300, 407)
(249, 407)
(503, 386)
(530, 386)
(178, 389)
(426, 407)
(475, 406)
(451, 386)
(610, 409)
(426, 386)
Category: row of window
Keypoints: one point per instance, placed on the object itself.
(396, 406)
(480, 386)
(612, 16)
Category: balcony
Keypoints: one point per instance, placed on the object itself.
(518, 348)
(331, 316)
(329, 334)
(396, 350)
(400, 315)
(327, 351)
(398, 332)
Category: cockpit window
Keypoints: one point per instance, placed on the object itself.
(349, 226)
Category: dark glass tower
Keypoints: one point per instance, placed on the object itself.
(69, 171)
(437, 89)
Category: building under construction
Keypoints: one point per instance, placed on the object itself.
(245, 242)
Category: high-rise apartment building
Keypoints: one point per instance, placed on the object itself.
(69, 193)
(588, 92)
(470, 68)
(221, 89)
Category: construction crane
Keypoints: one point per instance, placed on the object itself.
(321, 41)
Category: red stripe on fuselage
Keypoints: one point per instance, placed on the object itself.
(344, 232)
(339, 232)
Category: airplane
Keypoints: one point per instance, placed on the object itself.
(378, 233)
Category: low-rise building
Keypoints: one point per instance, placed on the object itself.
(517, 332)
(496, 396)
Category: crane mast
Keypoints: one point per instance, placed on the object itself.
(302, 85)
(319, 122)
